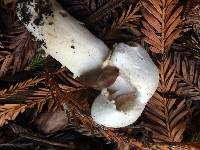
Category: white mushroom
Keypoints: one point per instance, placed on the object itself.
(69, 42)
(123, 102)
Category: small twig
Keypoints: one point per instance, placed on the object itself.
(15, 145)
(37, 139)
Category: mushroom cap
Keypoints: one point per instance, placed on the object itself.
(122, 103)
(136, 67)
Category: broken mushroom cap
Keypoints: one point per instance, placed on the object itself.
(123, 102)
(62, 36)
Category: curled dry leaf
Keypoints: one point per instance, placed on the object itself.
(167, 117)
(50, 122)
(161, 19)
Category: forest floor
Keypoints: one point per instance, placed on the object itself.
(34, 87)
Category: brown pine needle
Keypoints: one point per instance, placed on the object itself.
(161, 22)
